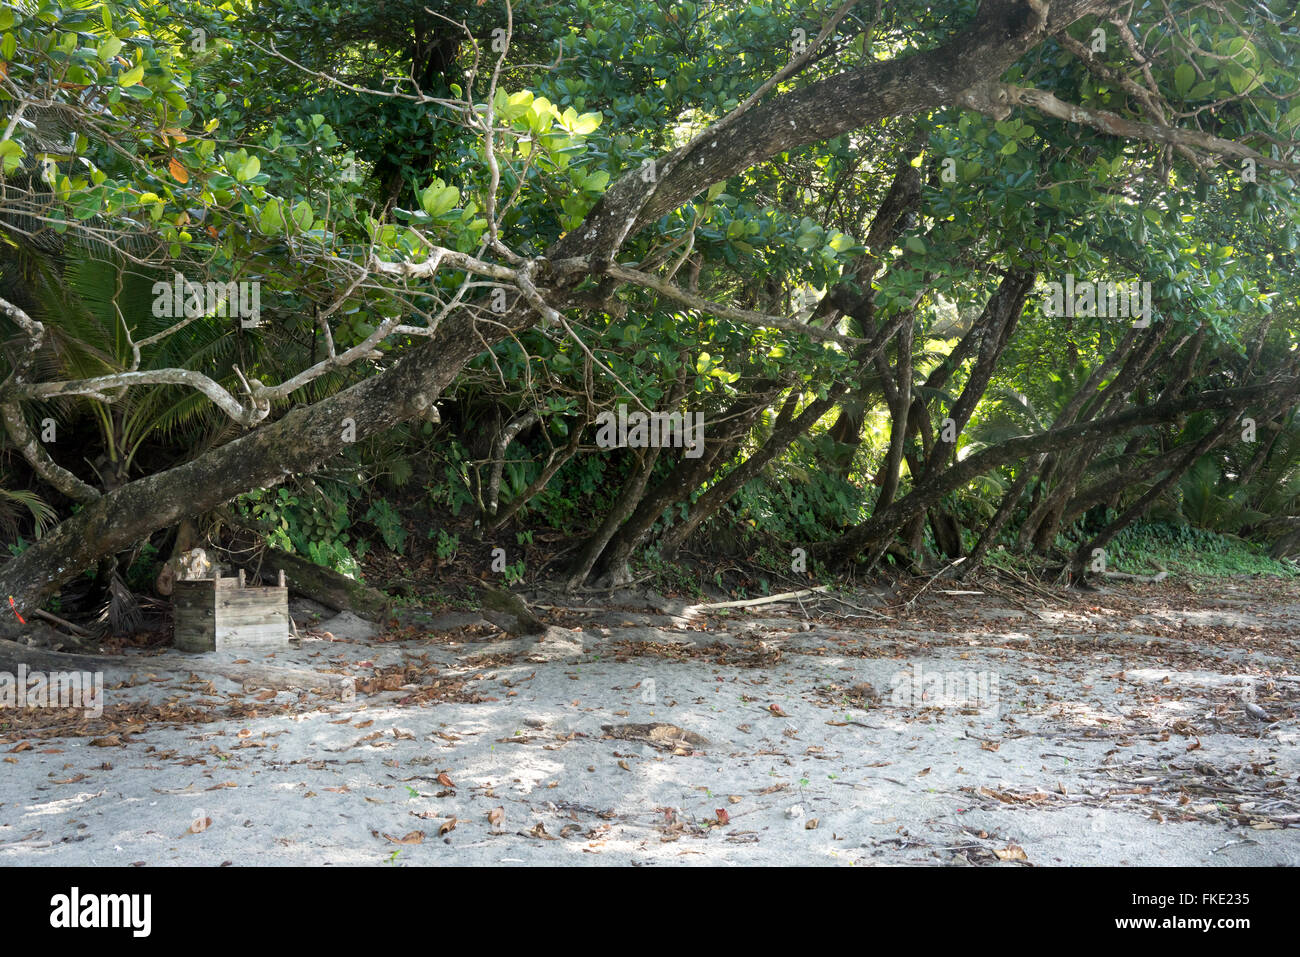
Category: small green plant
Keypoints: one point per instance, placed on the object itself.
(672, 576)
(311, 523)
(447, 544)
(514, 574)
(385, 518)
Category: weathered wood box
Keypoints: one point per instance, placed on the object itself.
(216, 614)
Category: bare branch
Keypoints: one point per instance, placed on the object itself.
(996, 99)
(669, 291)
(97, 387)
(39, 459)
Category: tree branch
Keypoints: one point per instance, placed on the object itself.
(988, 97)
(692, 301)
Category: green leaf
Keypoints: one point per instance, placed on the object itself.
(12, 155)
(586, 123)
(131, 77)
(272, 218)
(109, 49)
(252, 166)
(438, 199)
(1184, 77)
(302, 215)
(916, 245)
(596, 181)
(518, 103)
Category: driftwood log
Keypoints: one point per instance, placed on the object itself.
(507, 611)
(305, 578)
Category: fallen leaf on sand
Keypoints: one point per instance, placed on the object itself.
(1012, 852)
(496, 816)
(415, 837)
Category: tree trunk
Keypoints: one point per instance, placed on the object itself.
(686, 476)
(788, 428)
(298, 442)
(1188, 459)
(627, 503)
(928, 493)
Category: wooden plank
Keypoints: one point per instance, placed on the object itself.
(252, 618)
(194, 616)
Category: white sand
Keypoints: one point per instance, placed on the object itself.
(1069, 774)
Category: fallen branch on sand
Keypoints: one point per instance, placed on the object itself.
(13, 654)
(1125, 576)
(765, 600)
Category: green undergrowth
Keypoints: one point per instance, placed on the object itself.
(1182, 549)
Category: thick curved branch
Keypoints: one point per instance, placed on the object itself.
(99, 385)
(35, 333)
(1001, 32)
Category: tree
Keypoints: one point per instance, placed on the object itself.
(546, 215)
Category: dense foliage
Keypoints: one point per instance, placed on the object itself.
(864, 322)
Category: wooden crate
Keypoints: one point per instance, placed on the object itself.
(217, 614)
